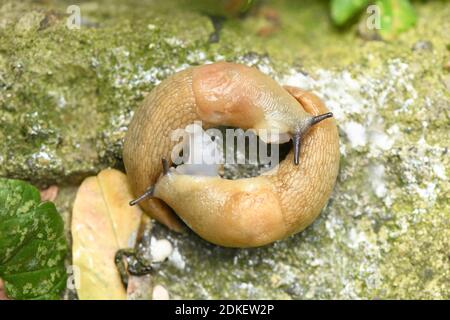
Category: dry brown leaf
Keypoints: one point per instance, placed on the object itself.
(2, 292)
(102, 223)
(49, 194)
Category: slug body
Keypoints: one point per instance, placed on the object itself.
(234, 213)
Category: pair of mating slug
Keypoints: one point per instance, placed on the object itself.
(246, 212)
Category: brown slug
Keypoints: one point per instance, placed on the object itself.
(234, 213)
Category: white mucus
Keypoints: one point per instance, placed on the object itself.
(160, 249)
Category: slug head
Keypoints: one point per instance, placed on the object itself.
(240, 96)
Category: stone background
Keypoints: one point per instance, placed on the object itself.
(66, 97)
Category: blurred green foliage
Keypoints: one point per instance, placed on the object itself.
(395, 15)
(343, 10)
(226, 8)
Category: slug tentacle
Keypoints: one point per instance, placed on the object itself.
(234, 213)
(151, 190)
(298, 135)
(146, 194)
(321, 117)
(165, 166)
(297, 141)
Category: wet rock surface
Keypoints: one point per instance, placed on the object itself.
(66, 97)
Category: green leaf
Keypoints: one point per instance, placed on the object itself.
(32, 243)
(343, 10)
(396, 17)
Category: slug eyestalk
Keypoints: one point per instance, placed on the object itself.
(298, 135)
